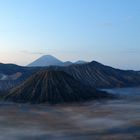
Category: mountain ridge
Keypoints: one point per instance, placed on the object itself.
(14, 75)
(92, 73)
(98, 75)
(49, 86)
(49, 60)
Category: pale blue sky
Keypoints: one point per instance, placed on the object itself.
(107, 31)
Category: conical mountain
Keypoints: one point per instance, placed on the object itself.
(46, 60)
(52, 87)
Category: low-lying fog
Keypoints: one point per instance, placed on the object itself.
(104, 120)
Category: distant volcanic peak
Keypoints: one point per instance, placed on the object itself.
(49, 57)
(49, 60)
(51, 87)
(46, 60)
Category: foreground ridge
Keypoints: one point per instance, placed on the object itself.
(53, 87)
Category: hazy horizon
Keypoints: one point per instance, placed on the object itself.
(104, 31)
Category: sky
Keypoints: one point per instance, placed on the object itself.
(107, 31)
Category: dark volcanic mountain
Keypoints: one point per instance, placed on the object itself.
(101, 76)
(53, 87)
(12, 75)
(93, 74)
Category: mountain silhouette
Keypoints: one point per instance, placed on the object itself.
(101, 76)
(49, 60)
(46, 60)
(92, 74)
(53, 87)
(11, 75)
